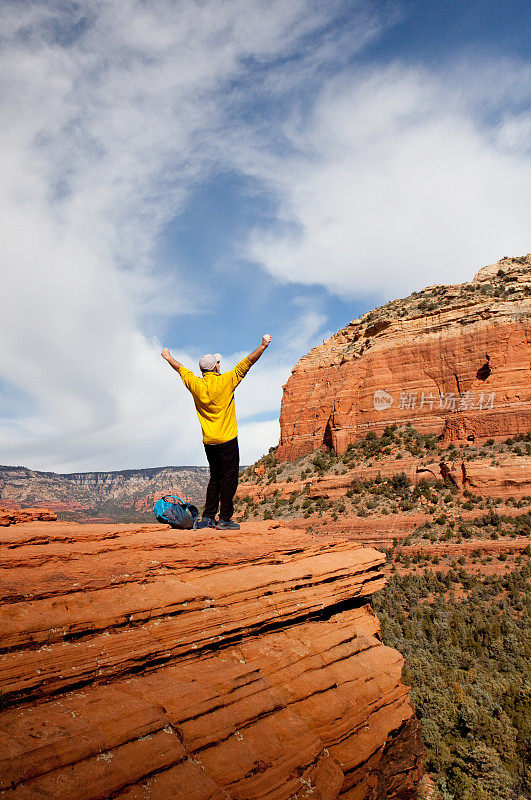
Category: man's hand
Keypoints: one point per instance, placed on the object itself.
(166, 353)
(266, 338)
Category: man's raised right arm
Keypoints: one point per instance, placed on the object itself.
(241, 369)
(255, 355)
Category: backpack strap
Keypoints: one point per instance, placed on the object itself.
(173, 497)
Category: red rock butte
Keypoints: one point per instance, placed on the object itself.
(141, 662)
(451, 360)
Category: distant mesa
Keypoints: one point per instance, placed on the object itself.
(119, 496)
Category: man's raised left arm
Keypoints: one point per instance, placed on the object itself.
(167, 356)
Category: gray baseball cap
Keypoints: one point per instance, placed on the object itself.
(209, 361)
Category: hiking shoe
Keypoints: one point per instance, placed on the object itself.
(206, 522)
(227, 525)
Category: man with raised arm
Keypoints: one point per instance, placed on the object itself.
(213, 395)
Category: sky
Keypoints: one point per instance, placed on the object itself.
(193, 174)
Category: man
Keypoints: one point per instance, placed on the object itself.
(213, 395)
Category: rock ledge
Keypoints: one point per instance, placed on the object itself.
(140, 662)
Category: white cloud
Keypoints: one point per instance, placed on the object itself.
(255, 438)
(110, 112)
(394, 181)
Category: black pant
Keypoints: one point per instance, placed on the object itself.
(224, 463)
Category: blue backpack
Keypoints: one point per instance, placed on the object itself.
(178, 514)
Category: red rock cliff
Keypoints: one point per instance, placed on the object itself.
(141, 662)
(452, 360)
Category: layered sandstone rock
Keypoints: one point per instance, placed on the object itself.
(141, 662)
(453, 360)
(508, 476)
(14, 516)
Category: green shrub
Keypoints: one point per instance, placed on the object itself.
(400, 481)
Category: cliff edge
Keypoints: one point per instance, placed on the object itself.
(141, 662)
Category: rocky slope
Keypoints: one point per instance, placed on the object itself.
(452, 360)
(509, 476)
(141, 662)
(384, 489)
(126, 495)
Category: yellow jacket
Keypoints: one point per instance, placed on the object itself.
(214, 400)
